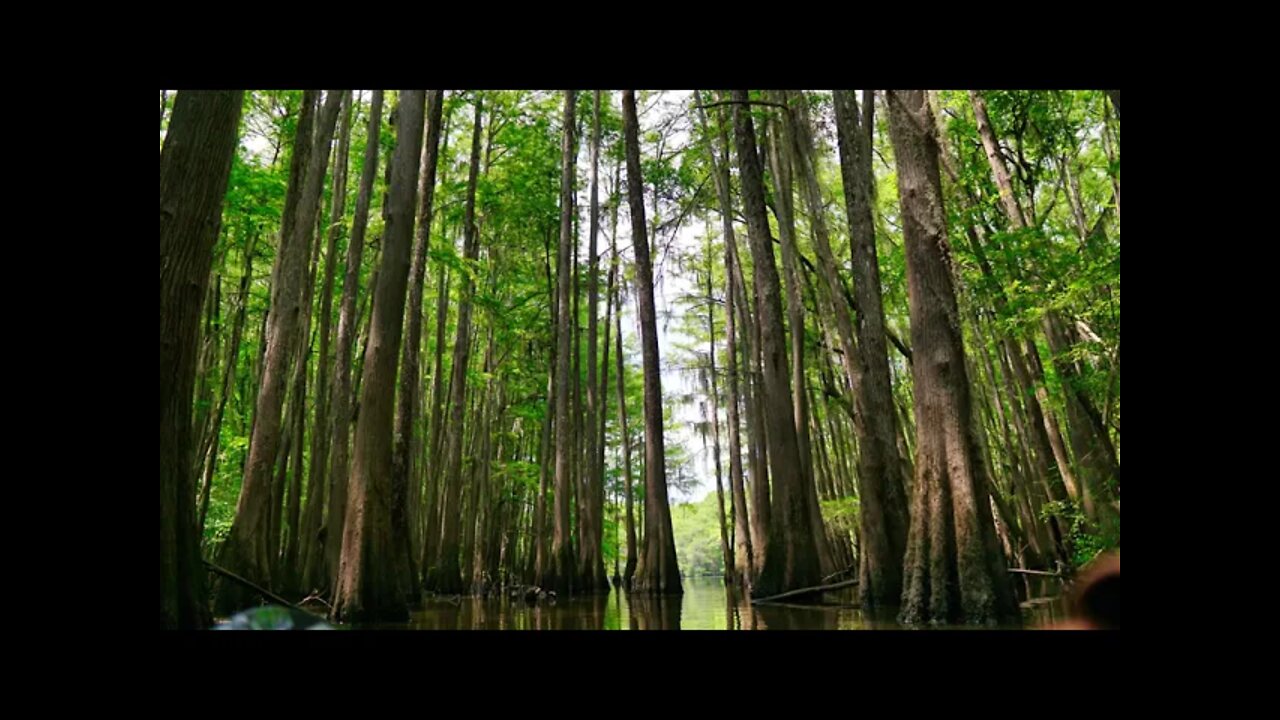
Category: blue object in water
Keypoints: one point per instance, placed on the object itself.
(274, 617)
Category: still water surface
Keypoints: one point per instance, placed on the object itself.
(706, 605)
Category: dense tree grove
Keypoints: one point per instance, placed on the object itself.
(440, 343)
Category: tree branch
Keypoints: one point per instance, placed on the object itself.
(743, 102)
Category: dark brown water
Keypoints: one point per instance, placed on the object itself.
(705, 605)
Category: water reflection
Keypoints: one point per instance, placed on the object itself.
(706, 605)
(655, 612)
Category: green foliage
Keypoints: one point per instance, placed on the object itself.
(1008, 277)
(697, 535)
(1087, 542)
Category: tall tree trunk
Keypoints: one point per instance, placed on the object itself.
(435, 480)
(883, 515)
(431, 443)
(726, 549)
(632, 551)
(403, 512)
(371, 584)
(289, 571)
(478, 517)
(744, 552)
(195, 163)
(657, 571)
(559, 575)
(340, 392)
(246, 551)
(780, 164)
(753, 387)
(604, 378)
(802, 152)
(449, 578)
(313, 575)
(540, 560)
(954, 568)
(754, 404)
(594, 578)
(791, 556)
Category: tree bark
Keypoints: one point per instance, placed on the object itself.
(246, 551)
(370, 586)
(195, 164)
(604, 377)
(744, 552)
(314, 577)
(954, 567)
(657, 571)
(340, 392)
(802, 152)
(791, 556)
(403, 513)
(726, 550)
(594, 579)
(883, 504)
(559, 575)
(632, 551)
(435, 481)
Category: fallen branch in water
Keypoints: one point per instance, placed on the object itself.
(251, 585)
(805, 591)
(838, 573)
(1036, 572)
(815, 606)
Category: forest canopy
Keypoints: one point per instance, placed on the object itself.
(421, 344)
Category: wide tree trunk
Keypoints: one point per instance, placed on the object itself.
(791, 556)
(657, 571)
(247, 551)
(195, 163)
(371, 583)
(883, 517)
(954, 568)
